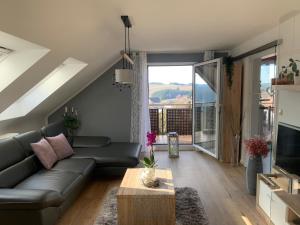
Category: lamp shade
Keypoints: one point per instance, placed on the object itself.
(124, 76)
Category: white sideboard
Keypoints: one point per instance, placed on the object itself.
(275, 204)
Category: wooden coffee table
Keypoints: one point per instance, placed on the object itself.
(139, 205)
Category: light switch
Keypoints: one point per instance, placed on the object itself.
(280, 112)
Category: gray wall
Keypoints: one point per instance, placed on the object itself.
(180, 57)
(103, 109)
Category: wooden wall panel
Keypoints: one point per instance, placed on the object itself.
(231, 116)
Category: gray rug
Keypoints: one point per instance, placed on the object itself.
(189, 209)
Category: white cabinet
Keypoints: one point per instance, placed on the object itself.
(264, 199)
(278, 214)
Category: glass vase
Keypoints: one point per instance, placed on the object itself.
(148, 175)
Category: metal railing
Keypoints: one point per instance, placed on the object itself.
(171, 117)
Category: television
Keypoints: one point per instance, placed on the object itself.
(288, 148)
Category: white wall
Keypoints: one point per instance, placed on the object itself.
(288, 104)
(289, 32)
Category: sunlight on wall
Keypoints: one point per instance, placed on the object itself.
(47, 86)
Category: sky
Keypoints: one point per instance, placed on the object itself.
(171, 74)
(184, 74)
(267, 72)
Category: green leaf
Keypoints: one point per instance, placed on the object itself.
(152, 157)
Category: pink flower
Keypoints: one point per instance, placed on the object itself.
(151, 138)
(257, 147)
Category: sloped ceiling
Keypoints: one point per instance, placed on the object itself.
(91, 31)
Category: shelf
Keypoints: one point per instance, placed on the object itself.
(292, 201)
(290, 87)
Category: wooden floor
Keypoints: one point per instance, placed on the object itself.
(220, 186)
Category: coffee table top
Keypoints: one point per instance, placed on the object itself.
(133, 186)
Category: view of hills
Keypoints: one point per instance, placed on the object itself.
(176, 93)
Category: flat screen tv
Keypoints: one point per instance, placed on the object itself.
(288, 148)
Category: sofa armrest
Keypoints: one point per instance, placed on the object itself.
(29, 199)
(90, 141)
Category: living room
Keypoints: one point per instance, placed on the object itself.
(149, 113)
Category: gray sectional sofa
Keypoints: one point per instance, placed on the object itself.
(30, 194)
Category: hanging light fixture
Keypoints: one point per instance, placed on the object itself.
(124, 76)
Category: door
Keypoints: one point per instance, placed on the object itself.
(206, 89)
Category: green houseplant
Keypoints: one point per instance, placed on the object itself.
(294, 70)
(71, 121)
(289, 74)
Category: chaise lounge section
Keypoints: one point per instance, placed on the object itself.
(30, 194)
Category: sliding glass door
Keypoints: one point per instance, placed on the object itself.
(206, 89)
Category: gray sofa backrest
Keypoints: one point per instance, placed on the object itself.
(54, 129)
(15, 166)
(26, 139)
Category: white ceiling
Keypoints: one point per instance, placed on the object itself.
(91, 31)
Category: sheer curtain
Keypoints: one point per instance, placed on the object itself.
(140, 118)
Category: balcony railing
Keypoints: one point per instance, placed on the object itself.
(170, 118)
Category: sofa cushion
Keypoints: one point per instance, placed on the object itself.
(61, 146)
(26, 139)
(28, 199)
(81, 166)
(10, 152)
(90, 141)
(54, 129)
(55, 180)
(113, 155)
(14, 174)
(45, 153)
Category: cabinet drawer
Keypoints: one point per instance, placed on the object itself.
(264, 200)
(278, 211)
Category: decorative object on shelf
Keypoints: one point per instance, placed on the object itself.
(295, 71)
(229, 65)
(123, 77)
(148, 174)
(173, 145)
(71, 121)
(256, 148)
(289, 74)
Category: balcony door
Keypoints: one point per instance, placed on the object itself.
(206, 89)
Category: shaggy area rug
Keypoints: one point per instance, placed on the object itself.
(189, 209)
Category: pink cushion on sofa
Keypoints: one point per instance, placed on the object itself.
(60, 146)
(45, 153)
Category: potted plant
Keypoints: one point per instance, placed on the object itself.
(295, 71)
(256, 148)
(148, 174)
(289, 74)
(71, 122)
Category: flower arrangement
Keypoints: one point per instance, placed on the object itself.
(257, 147)
(149, 162)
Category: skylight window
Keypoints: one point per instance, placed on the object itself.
(42, 90)
(16, 56)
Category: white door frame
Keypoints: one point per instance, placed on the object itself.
(217, 105)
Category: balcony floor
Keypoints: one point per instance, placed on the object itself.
(187, 139)
(183, 139)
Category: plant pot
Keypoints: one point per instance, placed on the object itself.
(148, 175)
(253, 168)
(297, 80)
(281, 81)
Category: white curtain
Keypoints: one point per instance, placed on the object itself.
(140, 118)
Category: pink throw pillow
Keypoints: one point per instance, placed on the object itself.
(60, 146)
(45, 153)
